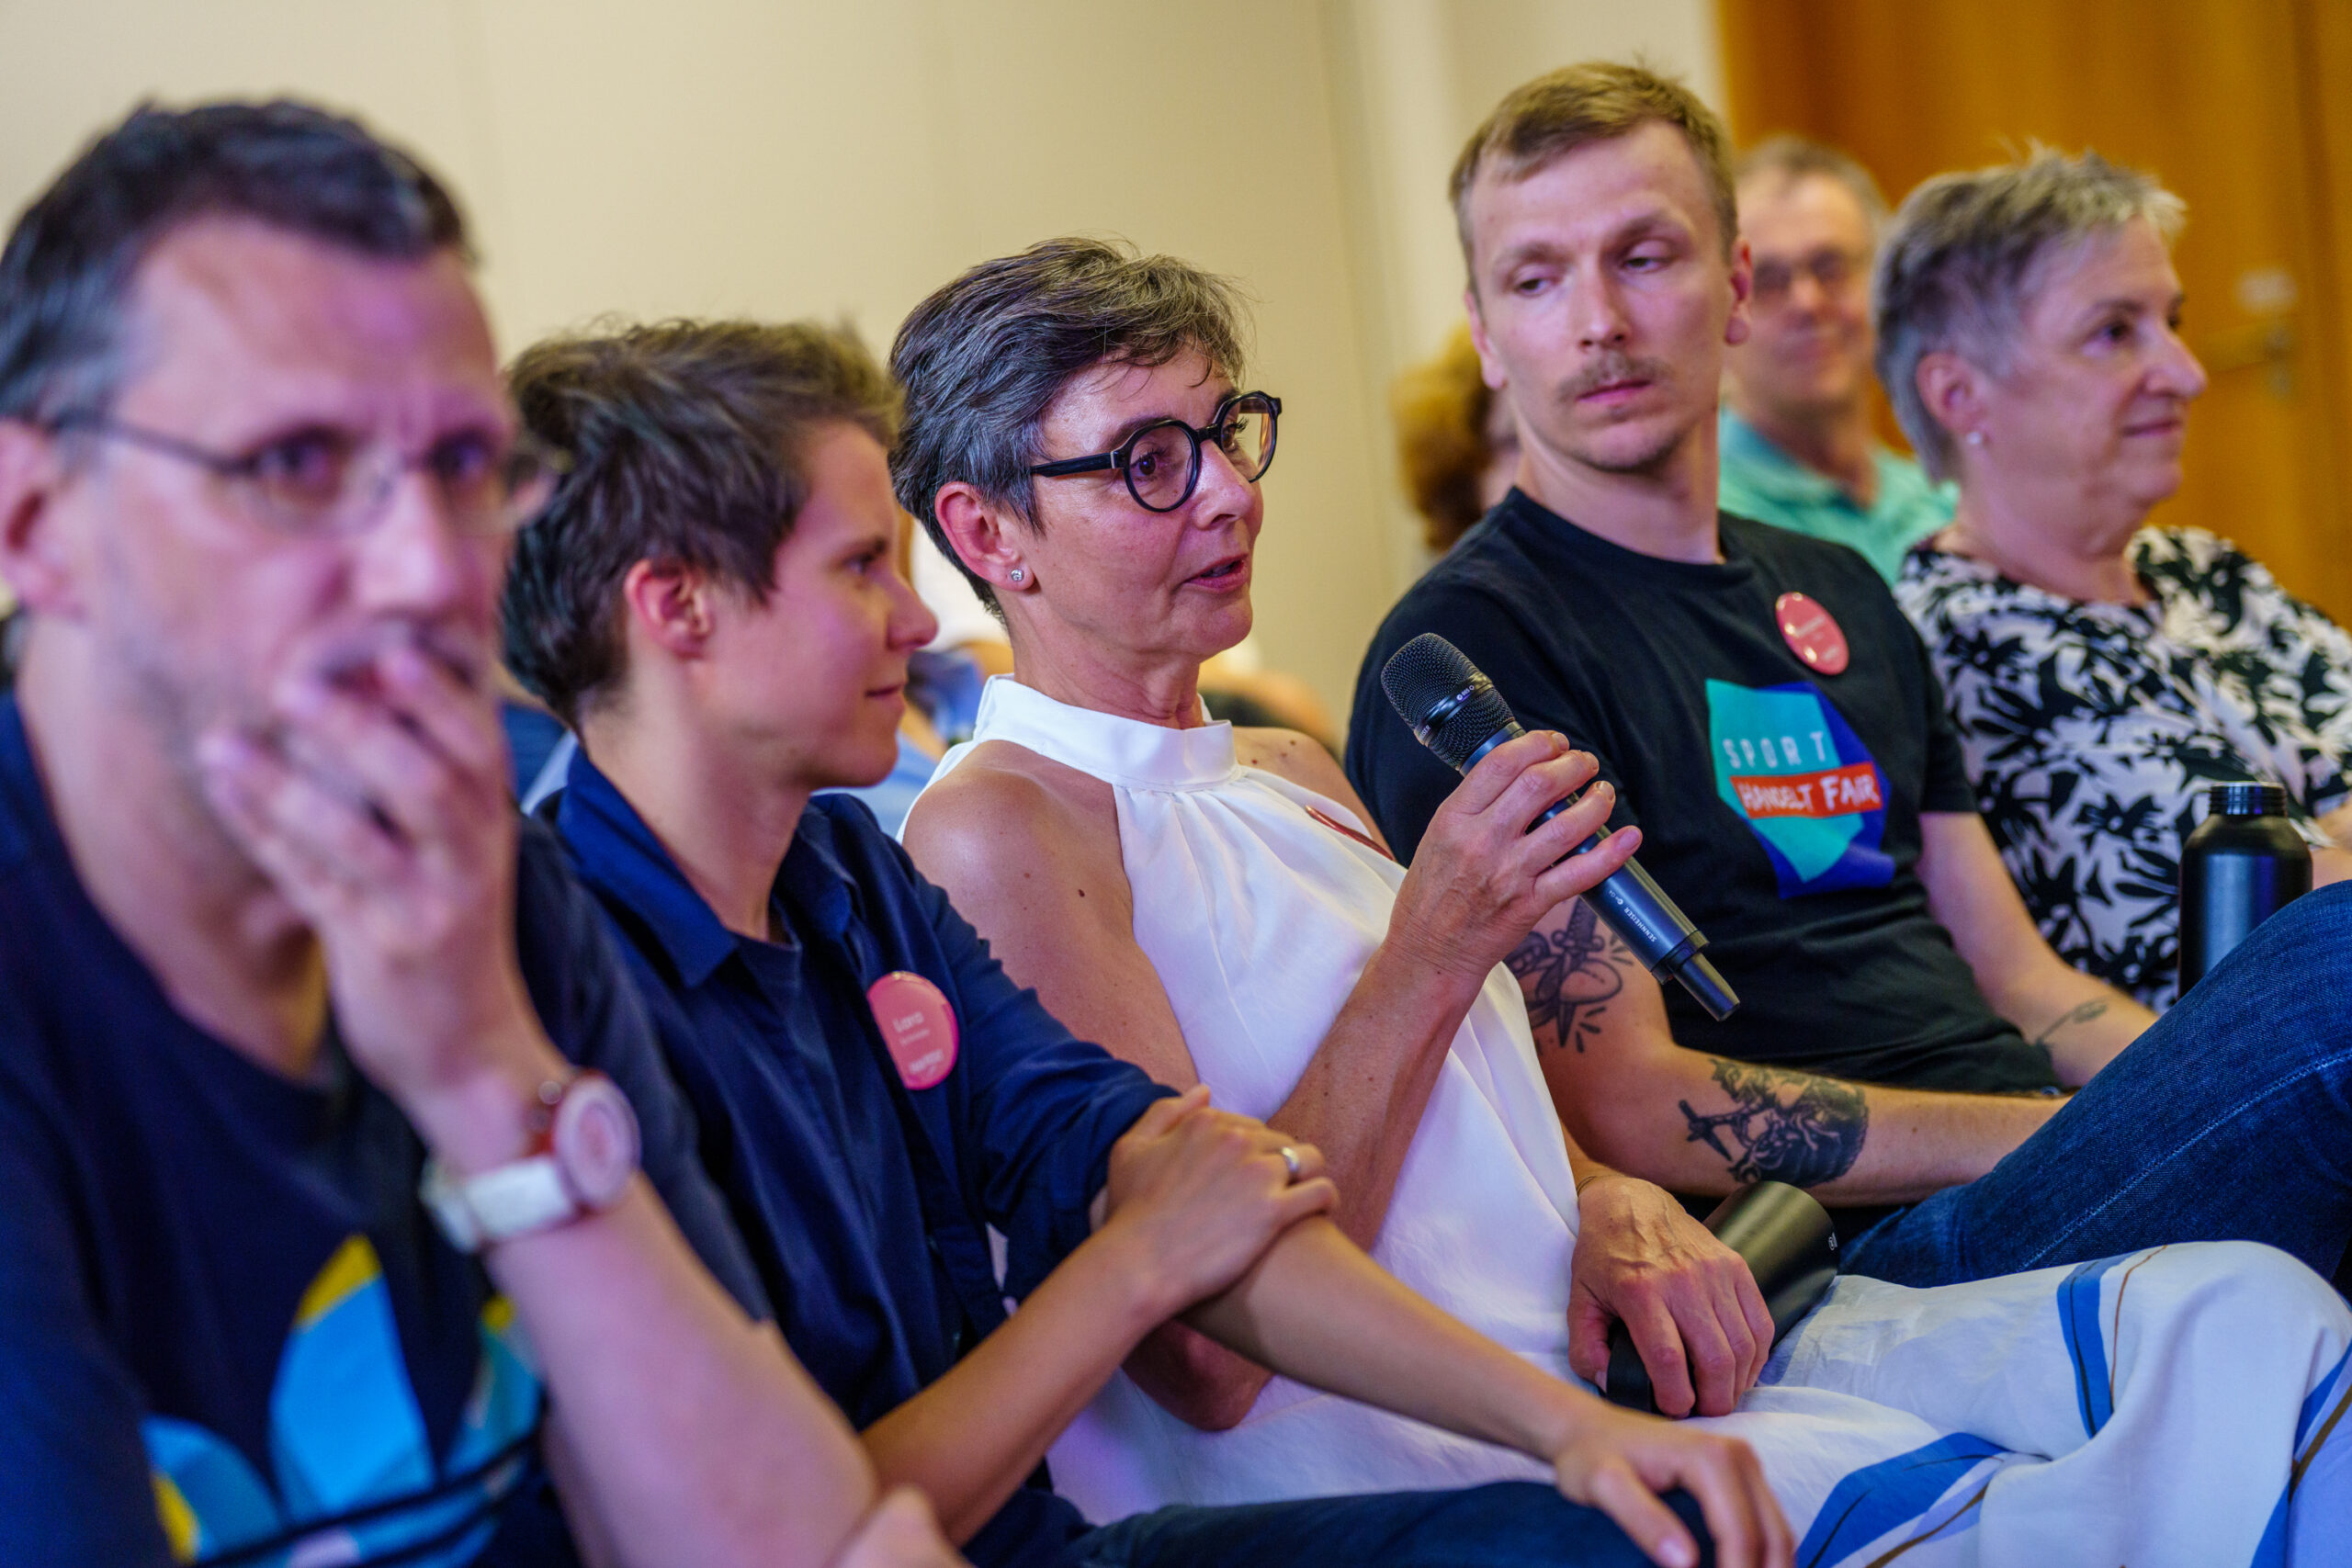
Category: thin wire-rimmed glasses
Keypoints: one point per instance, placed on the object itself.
(1161, 462)
(324, 482)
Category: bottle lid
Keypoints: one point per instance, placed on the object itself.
(2247, 799)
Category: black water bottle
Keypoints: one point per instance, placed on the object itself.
(2242, 865)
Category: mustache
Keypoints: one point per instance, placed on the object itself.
(1612, 366)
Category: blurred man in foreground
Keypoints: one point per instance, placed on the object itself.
(271, 956)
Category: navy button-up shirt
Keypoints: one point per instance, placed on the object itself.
(864, 1203)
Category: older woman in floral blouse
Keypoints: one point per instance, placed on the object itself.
(2101, 671)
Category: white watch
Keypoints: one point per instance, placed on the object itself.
(583, 1151)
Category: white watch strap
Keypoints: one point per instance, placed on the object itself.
(498, 1205)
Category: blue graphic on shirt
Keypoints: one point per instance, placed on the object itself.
(1794, 770)
(354, 1475)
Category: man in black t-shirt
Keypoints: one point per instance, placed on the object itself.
(343, 1201)
(1768, 720)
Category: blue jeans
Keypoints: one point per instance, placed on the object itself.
(1498, 1526)
(2230, 1119)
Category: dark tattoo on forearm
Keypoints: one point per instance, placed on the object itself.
(1805, 1137)
(2081, 1013)
(1570, 975)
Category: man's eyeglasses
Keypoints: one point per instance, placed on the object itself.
(1161, 462)
(1833, 271)
(321, 482)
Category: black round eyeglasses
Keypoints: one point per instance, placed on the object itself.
(1161, 462)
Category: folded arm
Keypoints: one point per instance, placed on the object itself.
(1193, 1197)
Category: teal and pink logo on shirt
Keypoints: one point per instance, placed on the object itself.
(1794, 770)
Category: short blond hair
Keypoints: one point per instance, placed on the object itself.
(1540, 121)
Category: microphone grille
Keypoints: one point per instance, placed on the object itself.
(1423, 674)
(1427, 674)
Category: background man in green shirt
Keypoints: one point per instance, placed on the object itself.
(1797, 446)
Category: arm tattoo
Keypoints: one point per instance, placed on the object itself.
(1806, 1139)
(2081, 1013)
(1568, 977)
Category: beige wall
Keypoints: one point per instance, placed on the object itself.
(844, 159)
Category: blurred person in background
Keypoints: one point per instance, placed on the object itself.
(2101, 671)
(1457, 446)
(1797, 447)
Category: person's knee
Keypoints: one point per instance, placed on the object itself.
(2309, 941)
(2285, 991)
(2260, 1292)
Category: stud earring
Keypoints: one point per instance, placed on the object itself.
(1976, 439)
(1018, 574)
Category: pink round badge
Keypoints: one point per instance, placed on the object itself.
(917, 1024)
(1812, 632)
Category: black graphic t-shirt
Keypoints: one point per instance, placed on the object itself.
(228, 1332)
(1779, 804)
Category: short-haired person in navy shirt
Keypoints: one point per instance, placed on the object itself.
(271, 956)
(711, 600)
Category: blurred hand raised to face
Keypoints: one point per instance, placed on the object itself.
(286, 541)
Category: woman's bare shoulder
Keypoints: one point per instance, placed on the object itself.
(1004, 805)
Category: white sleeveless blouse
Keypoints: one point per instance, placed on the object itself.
(1259, 912)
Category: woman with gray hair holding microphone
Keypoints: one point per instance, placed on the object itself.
(2100, 671)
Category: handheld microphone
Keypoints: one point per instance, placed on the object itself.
(1455, 711)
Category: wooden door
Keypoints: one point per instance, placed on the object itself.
(2236, 104)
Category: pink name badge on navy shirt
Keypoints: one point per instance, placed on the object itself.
(1812, 632)
(917, 1024)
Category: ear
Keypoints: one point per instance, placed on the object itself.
(1490, 370)
(673, 607)
(34, 561)
(1952, 390)
(986, 536)
(1743, 287)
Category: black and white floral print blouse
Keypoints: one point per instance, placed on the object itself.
(2091, 728)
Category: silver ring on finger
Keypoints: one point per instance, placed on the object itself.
(1291, 1162)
